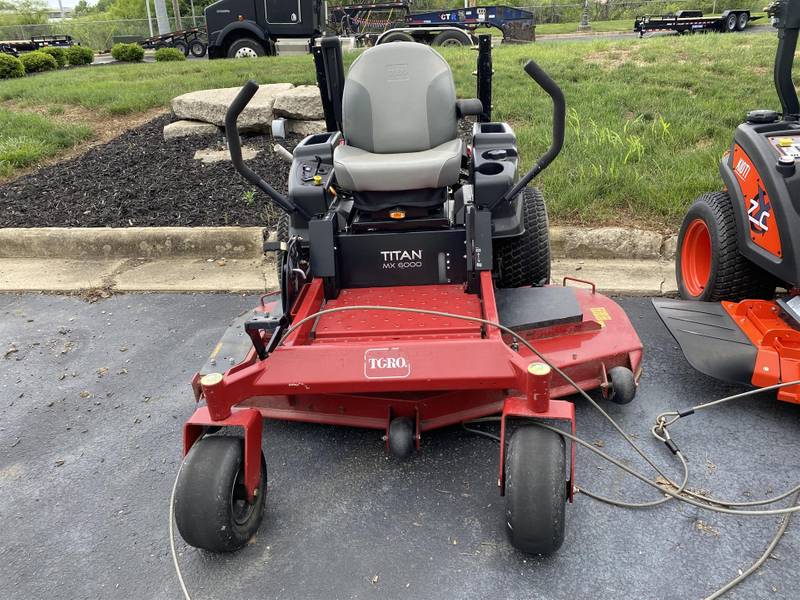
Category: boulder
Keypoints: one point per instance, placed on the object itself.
(212, 155)
(305, 127)
(209, 106)
(302, 103)
(184, 128)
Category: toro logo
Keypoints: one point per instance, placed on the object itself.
(386, 363)
(742, 169)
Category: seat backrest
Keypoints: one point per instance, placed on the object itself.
(399, 97)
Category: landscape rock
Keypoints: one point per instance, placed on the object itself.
(305, 127)
(185, 128)
(212, 155)
(605, 242)
(670, 247)
(210, 106)
(302, 103)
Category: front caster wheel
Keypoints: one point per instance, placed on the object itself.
(401, 437)
(536, 490)
(623, 385)
(211, 508)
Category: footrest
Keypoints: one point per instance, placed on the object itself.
(534, 307)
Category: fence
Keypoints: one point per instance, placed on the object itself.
(99, 34)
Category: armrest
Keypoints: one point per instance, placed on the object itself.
(469, 108)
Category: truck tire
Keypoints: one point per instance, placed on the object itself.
(524, 260)
(397, 36)
(452, 38)
(708, 264)
(246, 48)
(741, 21)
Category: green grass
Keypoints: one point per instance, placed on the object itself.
(596, 27)
(648, 119)
(27, 138)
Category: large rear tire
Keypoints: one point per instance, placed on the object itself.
(708, 264)
(536, 490)
(525, 260)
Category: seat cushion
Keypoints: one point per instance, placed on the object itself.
(361, 171)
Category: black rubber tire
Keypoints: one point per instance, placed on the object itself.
(401, 437)
(182, 46)
(525, 260)
(451, 38)
(397, 36)
(741, 21)
(732, 276)
(623, 385)
(282, 231)
(204, 499)
(536, 490)
(198, 48)
(730, 23)
(246, 44)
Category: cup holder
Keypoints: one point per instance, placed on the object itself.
(490, 168)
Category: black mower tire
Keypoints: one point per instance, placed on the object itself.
(401, 437)
(623, 385)
(182, 46)
(524, 260)
(732, 277)
(536, 490)
(451, 38)
(207, 513)
(397, 36)
(246, 48)
(198, 48)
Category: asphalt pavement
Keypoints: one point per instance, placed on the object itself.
(93, 396)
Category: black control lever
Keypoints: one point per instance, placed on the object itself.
(235, 147)
(559, 126)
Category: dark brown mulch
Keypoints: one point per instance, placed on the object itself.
(138, 179)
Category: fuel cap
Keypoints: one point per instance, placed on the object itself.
(786, 165)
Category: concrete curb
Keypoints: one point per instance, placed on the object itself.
(102, 243)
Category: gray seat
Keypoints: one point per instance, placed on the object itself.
(399, 122)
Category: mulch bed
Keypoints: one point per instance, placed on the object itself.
(139, 180)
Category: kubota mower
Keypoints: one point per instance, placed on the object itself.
(413, 296)
(737, 246)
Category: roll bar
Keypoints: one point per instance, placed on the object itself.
(559, 125)
(786, 15)
(239, 103)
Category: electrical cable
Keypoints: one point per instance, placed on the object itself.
(186, 595)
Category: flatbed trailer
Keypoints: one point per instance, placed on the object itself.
(36, 42)
(186, 40)
(689, 21)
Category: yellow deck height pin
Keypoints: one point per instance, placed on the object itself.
(211, 379)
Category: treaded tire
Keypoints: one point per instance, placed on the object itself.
(732, 277)
(623, 385)
(205, 510)
(525, 260)
(248, 47)
(536, 490)
(451, 38)
(397, 36)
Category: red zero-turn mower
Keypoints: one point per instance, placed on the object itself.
(735, 247)
(412, 297)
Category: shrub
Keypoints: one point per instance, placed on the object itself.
(169, 54)
(10, 66)
(127, 52)
(57, 53)
(38, 61)
(79, 55)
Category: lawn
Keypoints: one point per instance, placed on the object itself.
(648, 119)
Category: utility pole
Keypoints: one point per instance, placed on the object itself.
(149, 17)
(61, 9)
(194, 19)
(584, 24)
(176, 10)
(161, 17)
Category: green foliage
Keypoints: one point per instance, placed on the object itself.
(10, 66)
(24, 12)
(38, 61)
(127, 52)
(169, 54)
(57, 53)
(79, 55)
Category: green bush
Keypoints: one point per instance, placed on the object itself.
(127, 52)
(10, 66)
(79, 55)
(38, 61)
(58, 53)
(169, 54)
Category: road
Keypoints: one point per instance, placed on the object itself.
(92, 398)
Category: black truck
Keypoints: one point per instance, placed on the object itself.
(243, 28)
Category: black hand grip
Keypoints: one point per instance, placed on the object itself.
(239, 103)
(559, 127)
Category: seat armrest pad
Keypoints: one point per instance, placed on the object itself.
(469, 108)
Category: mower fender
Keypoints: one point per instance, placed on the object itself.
(250, 421)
